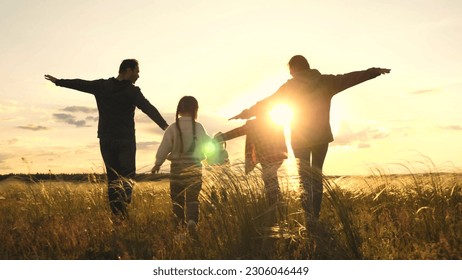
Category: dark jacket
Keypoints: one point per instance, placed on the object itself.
(116, 101)
(309, 94)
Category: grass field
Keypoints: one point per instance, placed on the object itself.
(381, 216)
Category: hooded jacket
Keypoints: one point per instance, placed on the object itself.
(309, 94)
(116, 101)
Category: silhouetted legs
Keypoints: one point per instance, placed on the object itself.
(310, 165)
(185, 186)
(273, 196)
(270, 179)
(119, 159)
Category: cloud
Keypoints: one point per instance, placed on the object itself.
(73, 119)
(90, 118)
(425, 91)
(9, 106)
(33, 127)
(70, 119)
(4, 156)
(5, 165)
(150, 145)
(83, 109)
(451, 127)
(11, 141)
(361, 138)
(143, 118)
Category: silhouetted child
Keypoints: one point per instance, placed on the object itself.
(265, 144)
(182, 144)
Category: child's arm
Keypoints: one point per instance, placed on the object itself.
(164, 149)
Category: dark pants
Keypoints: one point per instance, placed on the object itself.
(311, 160)
(119, 159)
(272, 190)
(270, 179)
(185, 186)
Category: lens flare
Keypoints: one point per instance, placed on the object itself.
(209, 148)
(282, 114)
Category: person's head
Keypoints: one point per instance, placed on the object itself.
(187, 106)
(298, 63)
(129, 70)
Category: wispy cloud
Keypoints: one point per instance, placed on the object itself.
(90, 118)
(424, 91)
(70, 119)
(361, 138)
(33, 127)
(8, 106)
(83, 109)
(147, 145)
(451, 127)
(11, 141)
(5, 166)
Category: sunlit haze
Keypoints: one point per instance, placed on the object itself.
(229, 55)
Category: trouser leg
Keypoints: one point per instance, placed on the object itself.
(192, 197)
(270, 180)
(310, 165)
(119, 160)
(127, 167)
(185, 187)
(177, 194)
(319, 154)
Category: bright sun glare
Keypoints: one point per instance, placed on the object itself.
(282, 115)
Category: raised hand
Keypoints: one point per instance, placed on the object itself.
(381, 71)
(50, 78)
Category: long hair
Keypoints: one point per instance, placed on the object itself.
(187, 105)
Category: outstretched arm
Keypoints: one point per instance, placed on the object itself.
(77, 84)
(245, 114)
(339, 83)
(262, 106)
(233, 133)
(380, 71)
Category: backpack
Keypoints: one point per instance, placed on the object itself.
(218, 155)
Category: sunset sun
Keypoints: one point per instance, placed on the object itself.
(281, 115)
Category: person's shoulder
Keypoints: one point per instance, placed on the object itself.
(201, 128)
(170, 130)
(199, 125)
(171, 126)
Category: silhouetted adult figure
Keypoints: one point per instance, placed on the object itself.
(309, 94)
(117, 99)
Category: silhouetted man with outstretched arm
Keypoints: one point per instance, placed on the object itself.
(117, 99)
(309, 94)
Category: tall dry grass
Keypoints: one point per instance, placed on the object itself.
(381, 216)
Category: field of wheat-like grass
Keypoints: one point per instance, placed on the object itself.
(382, 216)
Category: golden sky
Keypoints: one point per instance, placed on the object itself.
(230, 54)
